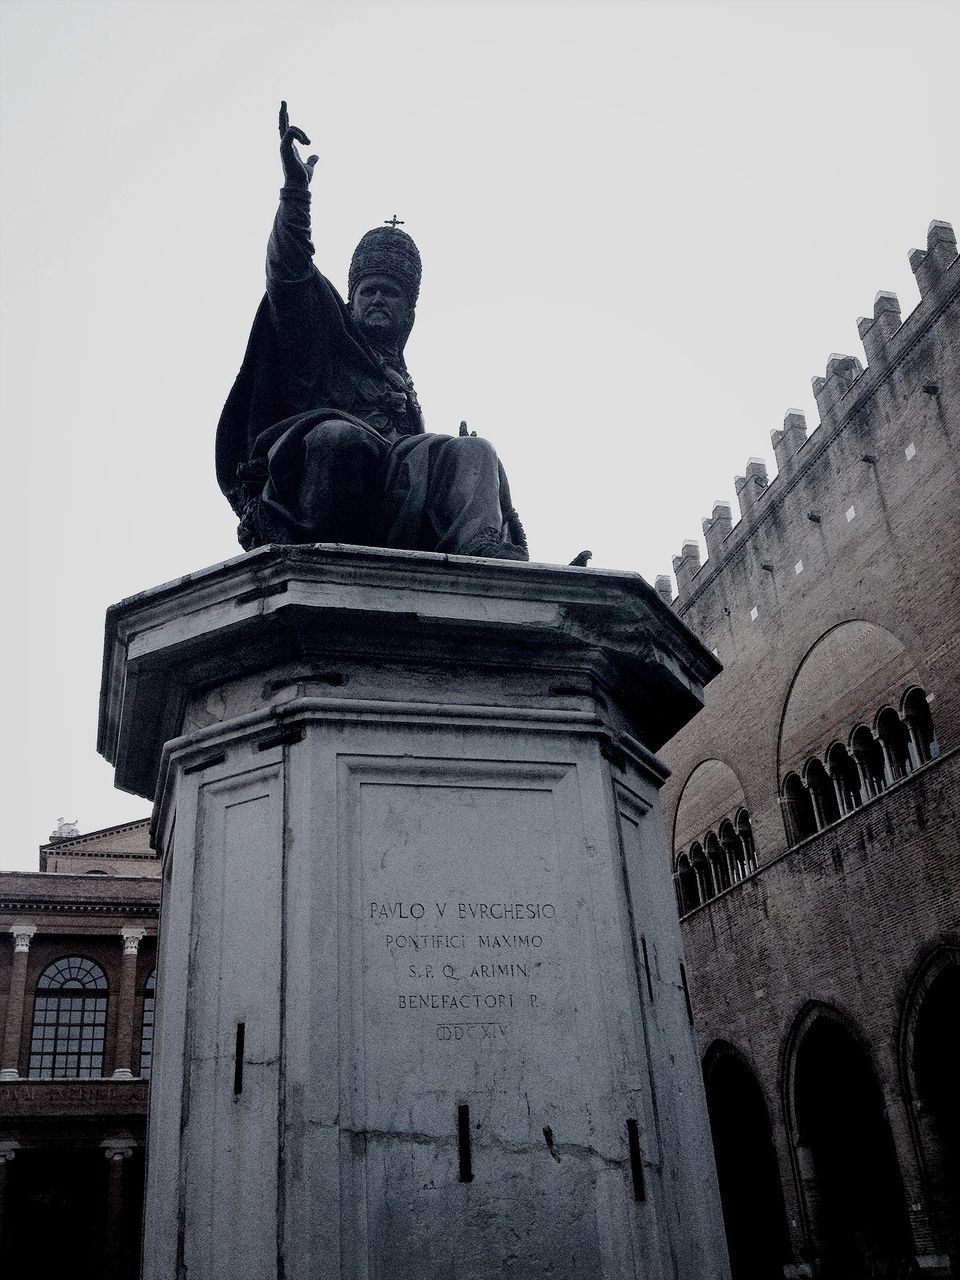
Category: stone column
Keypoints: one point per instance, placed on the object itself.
(8, 1150)
(817, 808)
(930, 1249)
(890, 770)
(125, 1005)
(867, 788)
(840, 794)
(810, 1191)
(118, 1151)
(915, 743)
(793, 1201)
(10, 1059)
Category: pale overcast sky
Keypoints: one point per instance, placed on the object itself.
(644, 228)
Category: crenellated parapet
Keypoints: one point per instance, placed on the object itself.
(842, 373)
(750, 487)
(876, 331)
(686, 565)
(717, 526)
(929, 264)
(885, 335)
(788, 442)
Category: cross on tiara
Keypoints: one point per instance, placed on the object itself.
(394, 222)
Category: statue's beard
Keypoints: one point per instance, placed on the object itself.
(380, 328)
(378, 322)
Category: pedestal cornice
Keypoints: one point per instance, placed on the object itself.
(277, 604)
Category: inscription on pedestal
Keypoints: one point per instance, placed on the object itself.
(471, 942)
(463, 973)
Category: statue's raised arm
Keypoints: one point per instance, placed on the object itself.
(296, 172)
(321, 438)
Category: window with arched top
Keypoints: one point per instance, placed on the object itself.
(895, 744)
(801, 819)
(845, 778)
(733, 849)
(717, 859)
(146, 1025)
(825, 806)
(69, 1021)
(703, 872)
(688, 893)
(869, 757)
(745, 836)
(919, 722)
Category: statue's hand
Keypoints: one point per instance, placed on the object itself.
(296, 172)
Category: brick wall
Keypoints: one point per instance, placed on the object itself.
(862, 523)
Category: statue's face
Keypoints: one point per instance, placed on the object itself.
(380, 307)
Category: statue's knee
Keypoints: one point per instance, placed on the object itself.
(473, 449)
(332, 434)
(340, 441)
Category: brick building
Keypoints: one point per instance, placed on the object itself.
(815, 813)
(77, 966)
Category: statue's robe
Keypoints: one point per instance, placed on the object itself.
(322, 438)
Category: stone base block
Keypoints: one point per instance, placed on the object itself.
(421, 1005)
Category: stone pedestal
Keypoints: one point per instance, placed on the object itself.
(421, 1003)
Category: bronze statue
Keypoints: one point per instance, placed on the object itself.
(322, 438)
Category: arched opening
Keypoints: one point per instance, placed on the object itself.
(747, 1169)
(869, 757)
(923, 741)
(69, 1021)
(822, 793)
(745, 832)
(701, 868)
(845, 777)
(718, 862)
(936, 1070)
(733, 850)
(798, 809)
(855, 1195)
(688, 893)
(895, 743)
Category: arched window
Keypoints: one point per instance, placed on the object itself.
(923, 740)
(146, 1026)
(718, 862)
(822, 793)
(869, 757)
(734, 850)
(688, 893)
(703, 873)
(69, 1021)
(894, 743)
(745, 832)
(801, 820)
(845, 777)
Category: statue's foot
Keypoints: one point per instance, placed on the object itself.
(488, 544)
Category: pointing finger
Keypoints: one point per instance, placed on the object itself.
(284, 119)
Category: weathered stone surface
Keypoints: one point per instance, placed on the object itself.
(413, 847)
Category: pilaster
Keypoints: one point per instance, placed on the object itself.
(10, 1058)
(132, 937)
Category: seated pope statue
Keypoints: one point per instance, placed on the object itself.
(321, 438)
